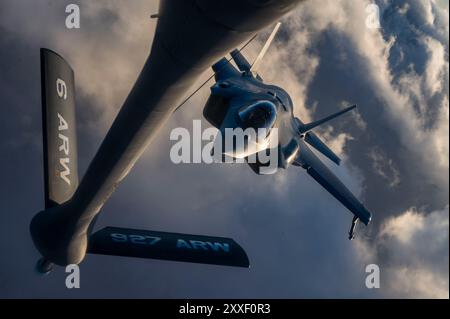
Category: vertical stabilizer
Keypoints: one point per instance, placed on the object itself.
(58, 128)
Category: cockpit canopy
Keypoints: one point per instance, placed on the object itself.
(261, 114)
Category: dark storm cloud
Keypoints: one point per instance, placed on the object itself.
(293, 231)
(400, 82)
(345, 73)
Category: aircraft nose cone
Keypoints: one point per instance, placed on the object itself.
(239, 143)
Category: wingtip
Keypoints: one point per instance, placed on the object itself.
(336, 160)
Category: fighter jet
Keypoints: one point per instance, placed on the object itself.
(241, 99)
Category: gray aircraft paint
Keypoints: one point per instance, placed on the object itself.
(168, 246)
(59, 129)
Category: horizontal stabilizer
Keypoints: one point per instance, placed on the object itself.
(312, 139)
(307, 127)
(168, 246)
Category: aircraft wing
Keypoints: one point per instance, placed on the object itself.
(325, 177)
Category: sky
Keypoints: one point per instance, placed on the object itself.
(394, 151)
(443, 3)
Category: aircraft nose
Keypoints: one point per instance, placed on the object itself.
(239, 143)
(247, 131)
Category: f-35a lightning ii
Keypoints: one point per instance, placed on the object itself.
(241, 99)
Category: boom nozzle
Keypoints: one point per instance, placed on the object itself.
(44, 266)
(351, 233)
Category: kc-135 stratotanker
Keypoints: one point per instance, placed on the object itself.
(191, 35)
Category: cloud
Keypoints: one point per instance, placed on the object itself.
(384, 167)
(401, 78)
(412, 252)
(399, 83)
